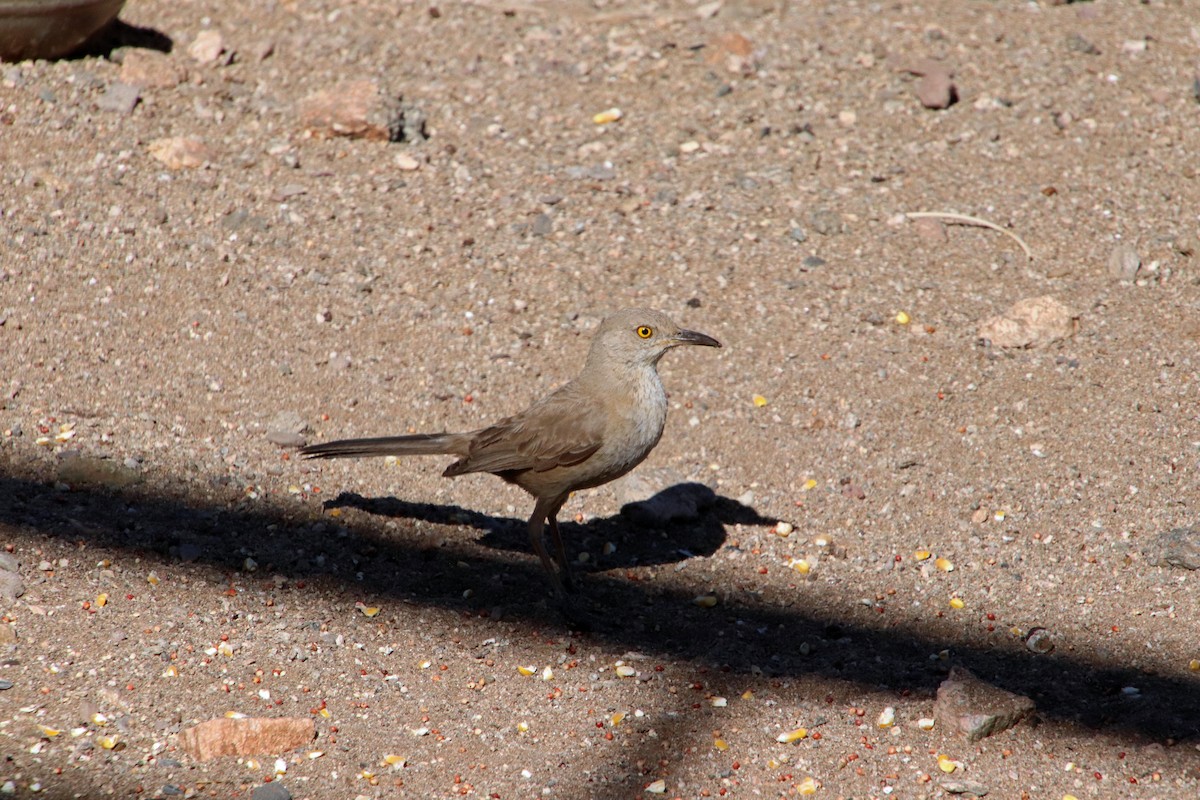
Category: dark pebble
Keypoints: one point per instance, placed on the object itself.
(271, 791)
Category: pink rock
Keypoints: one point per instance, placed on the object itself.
(357, 109)
(150, 70)
(936, 87)
(976, 709)
(243, 737)
(1032, 322)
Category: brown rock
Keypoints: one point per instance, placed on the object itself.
(150, 69)
(977, 709)
(242, 737)
(181, 152)
(931, 230)
(733, 51)
(358, 109)
(1032, 322)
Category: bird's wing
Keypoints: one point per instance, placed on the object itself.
(562, 430)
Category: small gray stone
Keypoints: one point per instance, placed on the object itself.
(286, 439)
(9, 562)
(11, 585)
(1124, 262)
(1078, 44)
(798, 234)
(826, 222)
(287, 422)
(119, 97)
(5, 685)
(543, 225)
(271, 791)
(1177, 548)
(965, 787)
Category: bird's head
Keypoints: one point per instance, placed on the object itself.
(640, 336)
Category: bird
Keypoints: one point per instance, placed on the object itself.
(592, 430)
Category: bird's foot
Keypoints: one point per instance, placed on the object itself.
(576, 612)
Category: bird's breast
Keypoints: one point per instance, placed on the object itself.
(637, 422)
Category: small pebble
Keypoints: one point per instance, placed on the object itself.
(1124, 263)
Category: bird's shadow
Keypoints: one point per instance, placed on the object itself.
(118, 34)
(683, 521)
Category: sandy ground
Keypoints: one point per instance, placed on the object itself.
(155, 319)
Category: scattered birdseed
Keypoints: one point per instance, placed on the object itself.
(783, 528)
(523, 727)
(807, 786)
(792, 736)
(656, 787)
(152, 579)
(947, 765)
(280, 766)
(718, 702)
(925, 723)
(705, 600)
(759, 400)
(808, 485)
(527, 671)
(424, 664)
(394, 761)
(547, 674)
(957, 602)
(234, 715)
(1194, 665)
(944, 564)
(625, 671)
(922, 555)
(721, 744)
(101, 600)
(369, 611)
(48, 732)
(313, 755)
(800, 565)
(887, 717)
(999, 515)
(607, 116)
(171, 672)
(902, 318)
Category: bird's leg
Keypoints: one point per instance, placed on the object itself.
(568, 581)
(541, 510)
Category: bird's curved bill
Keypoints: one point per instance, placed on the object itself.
(695, 337)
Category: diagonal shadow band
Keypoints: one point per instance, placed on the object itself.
(743, 635)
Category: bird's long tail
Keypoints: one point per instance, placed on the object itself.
(421, 444)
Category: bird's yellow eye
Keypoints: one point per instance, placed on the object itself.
(645, 331)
